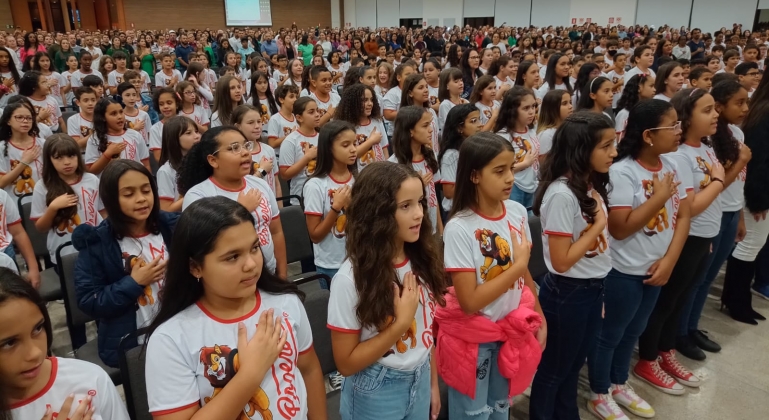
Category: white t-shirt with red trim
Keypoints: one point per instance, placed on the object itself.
(164, 80)
(166, 178)
(115, 78)
(411, 349)
(631, 187)
(445, 107)
(30, 175)
(449, 173)
(265, 212)
(9, 216)
(60, 81)
(318, 198)
(620, 123)
(143, 250)
(78, 377)
(52, 106)
(279, 126)
(432, 198)
(88, 206)
(561, 216)
(291, 150)
(262, 150)
(323, 107)
(79, 126)
(694, 165)
(733, 197)
(486, 111)
(376, 153)
(481, 245)
(132, 122)
(77, 77)
(198, 114)
(156, 136)
(523, 144)
(136, 148)
(192, 356)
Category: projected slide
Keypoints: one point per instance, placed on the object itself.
(248, 12)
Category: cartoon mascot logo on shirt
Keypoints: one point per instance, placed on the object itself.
(705, 168)
(221, 363)
(369, 156)
(600, 244)
(288, 130)
(24, 184)
(67, 226)
(341, 222)
(129, 262)
(310, 165)
(47, 121)
(410, 335)
(487, 113)
(433, 100)
(494, 248)
(659, 222)
(85, 131)
(523, 146)
(265, 113)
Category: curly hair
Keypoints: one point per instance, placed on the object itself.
(573, 144)
(405, 121)
(508, 109)
(630, 94)
(684, 102)
(195, 167)
(351, 107)
(727, 148)
(371, 244)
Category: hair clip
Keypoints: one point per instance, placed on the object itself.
(591, 83)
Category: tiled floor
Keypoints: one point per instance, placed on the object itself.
(736, 385)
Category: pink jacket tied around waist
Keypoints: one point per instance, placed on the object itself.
(458, 336)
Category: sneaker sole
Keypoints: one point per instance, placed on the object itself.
(687, 383)
(759, 294)
(594, 412)
(636, 412)
(660, 388)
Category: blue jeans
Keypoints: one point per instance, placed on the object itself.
(153, 114)
(491, 402)
(723, 244)
(523, 198)
(379, 392)
(9, 251)
(330, 272)
(627, 304)
(572, 308)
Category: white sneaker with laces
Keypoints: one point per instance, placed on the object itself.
(335, 380)
(604, 407)
(626, 396)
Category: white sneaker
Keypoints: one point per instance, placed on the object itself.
(625, 396)
(604, 407)
(335, 380)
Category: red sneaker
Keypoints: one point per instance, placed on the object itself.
(652, 373)
(670, 364)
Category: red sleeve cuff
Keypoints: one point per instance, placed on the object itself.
(13, 223)
(459, 270)
(307, 350)
(342, 330)
(313, 213)
(554, 233)
(174, 410)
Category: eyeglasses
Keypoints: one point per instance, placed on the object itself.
(192, 92)
(23, 118)
(674, 127)
(236, 148)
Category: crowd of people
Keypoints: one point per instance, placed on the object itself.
(422, 158)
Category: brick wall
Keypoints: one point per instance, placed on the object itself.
(173, 14)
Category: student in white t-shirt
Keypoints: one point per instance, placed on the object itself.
(596, 96)
(232, 340)
(556, 107)
(432, 73)
(517, 115)
(167, 104)
(639, 87)
(21, 160)
(556, 76)
(80, 125)
(391, 100)
(703, 176)
(617, 76)
(229, 94)
(324, 96)
(248, 119)
(644, 59)
(482, 96)
(382, 349)
(111, 140)
(121, 263)
(115, 77)
(136, 119)
(504, 71)
(191, 106)
(648, 223)
(327, 195)
(731, 100)
(462, 122)
(359, 107)
(299, 151)
(221, 165)
(450, 93)
(66, 196)
(670, 79)
(261, 96)
(179, 135)
(283, 122)
(58, 84)
(34, 86)
(571, 206)
(416, 92)
(46, 387)
(486, 254)
(412, 141)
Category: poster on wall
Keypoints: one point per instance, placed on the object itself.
(581, 21)
(619, 19)
(611, 20)
(573, 21)
(589, 20)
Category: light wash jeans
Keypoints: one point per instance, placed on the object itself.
(523, 198)
(383, 393)
(491, 402)
(330, 272)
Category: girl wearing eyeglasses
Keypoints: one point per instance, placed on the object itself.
(648, 224)
(220, 165)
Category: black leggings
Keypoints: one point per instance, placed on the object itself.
(660, 333)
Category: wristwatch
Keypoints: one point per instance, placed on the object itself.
(262, 173)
